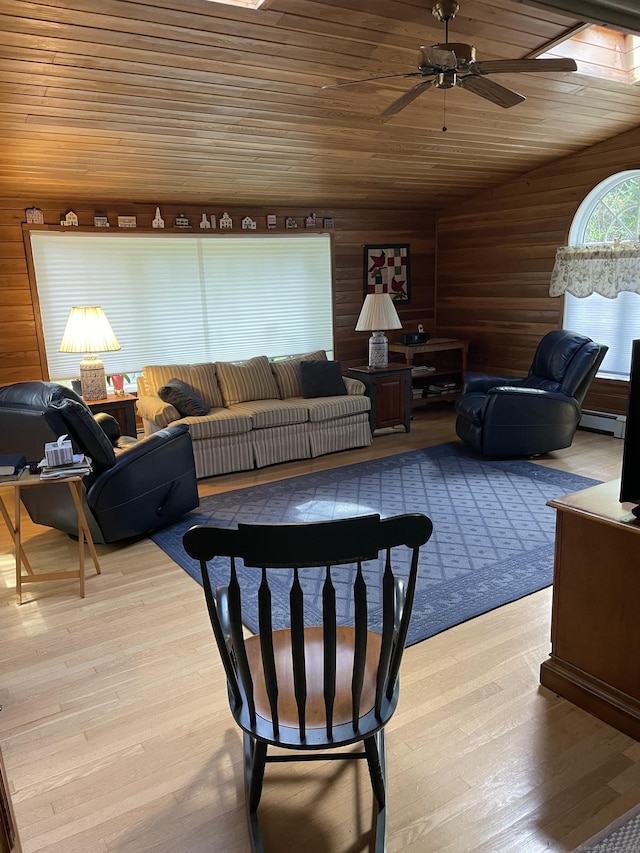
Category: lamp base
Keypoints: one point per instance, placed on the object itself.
(378, 350)
(93, 379)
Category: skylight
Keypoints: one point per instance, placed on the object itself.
(602, 52)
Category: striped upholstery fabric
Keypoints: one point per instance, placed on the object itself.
(223, 455)
(247, 380)
(286, 372)
(330, 437)
(271, 413)
(216, 423)
(280, 444)
(201, 377)
(329, 408)
(269, 422)
(353, 386)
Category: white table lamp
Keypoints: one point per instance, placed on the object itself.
(88, 331)
(378, 313)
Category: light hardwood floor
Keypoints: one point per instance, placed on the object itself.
(117, 737)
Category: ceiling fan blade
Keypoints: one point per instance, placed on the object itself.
(369, 79)
(507, 66)
(436, 58)
(406, 99)
(491, 90)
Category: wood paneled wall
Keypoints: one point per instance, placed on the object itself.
(496, 253)
(20, 358)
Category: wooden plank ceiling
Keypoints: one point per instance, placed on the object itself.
(195, 101)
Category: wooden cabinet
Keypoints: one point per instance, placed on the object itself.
(437, 369)
(390, 391)
(595, 625)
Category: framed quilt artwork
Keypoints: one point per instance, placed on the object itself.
(386, 270)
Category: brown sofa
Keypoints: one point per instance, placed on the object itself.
(256, 414)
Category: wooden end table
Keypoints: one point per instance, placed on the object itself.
(123, 409)
(389, 389)
(33, 481)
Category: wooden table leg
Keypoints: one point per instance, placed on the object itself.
(84, 534)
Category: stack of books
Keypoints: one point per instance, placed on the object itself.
(421, 369)
(442, 388)
(80, 466)
(11, 466)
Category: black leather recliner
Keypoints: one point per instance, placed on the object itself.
(135, 487)
(508, 416)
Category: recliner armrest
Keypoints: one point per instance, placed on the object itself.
(484, 382)
(511, 405)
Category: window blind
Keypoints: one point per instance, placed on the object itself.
(186, 298)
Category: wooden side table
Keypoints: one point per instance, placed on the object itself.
(389, 389)
(123, 409)
(446, 359)
(33, 481)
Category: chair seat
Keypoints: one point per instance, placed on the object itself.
(314, 659)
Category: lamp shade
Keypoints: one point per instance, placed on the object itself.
(88, 330)
(377, 313)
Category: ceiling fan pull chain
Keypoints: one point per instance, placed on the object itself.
(444, 111)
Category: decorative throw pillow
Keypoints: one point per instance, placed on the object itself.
(321, 379)
(246, 380)
(183, 398)
(287, 372)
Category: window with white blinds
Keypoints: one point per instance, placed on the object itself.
(186, 298)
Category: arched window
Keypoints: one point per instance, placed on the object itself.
(610, 212)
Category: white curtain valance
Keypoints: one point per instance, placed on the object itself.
(603, 269)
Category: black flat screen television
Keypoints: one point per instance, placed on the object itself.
(630, 482)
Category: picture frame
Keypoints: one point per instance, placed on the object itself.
(387, 270)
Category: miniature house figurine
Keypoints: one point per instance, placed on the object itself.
(226, 221)
(100, 220)
(249, 224)
(69, 218)
(204, 222)
(34, 216)
(290, 222)
(271, 220)
(157, 221)
(182, 221)
(310, 221)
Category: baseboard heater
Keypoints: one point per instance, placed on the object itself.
(603, 422)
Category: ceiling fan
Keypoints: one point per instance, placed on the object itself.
(444, 66)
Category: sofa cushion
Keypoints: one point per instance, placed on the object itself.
(287, 372)
(272, 413)
(183, 398)
(321, 379)
(219, 422)
(330, 408)
(201, 377)
(247, 380)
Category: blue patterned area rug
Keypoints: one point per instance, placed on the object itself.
(493, 533)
